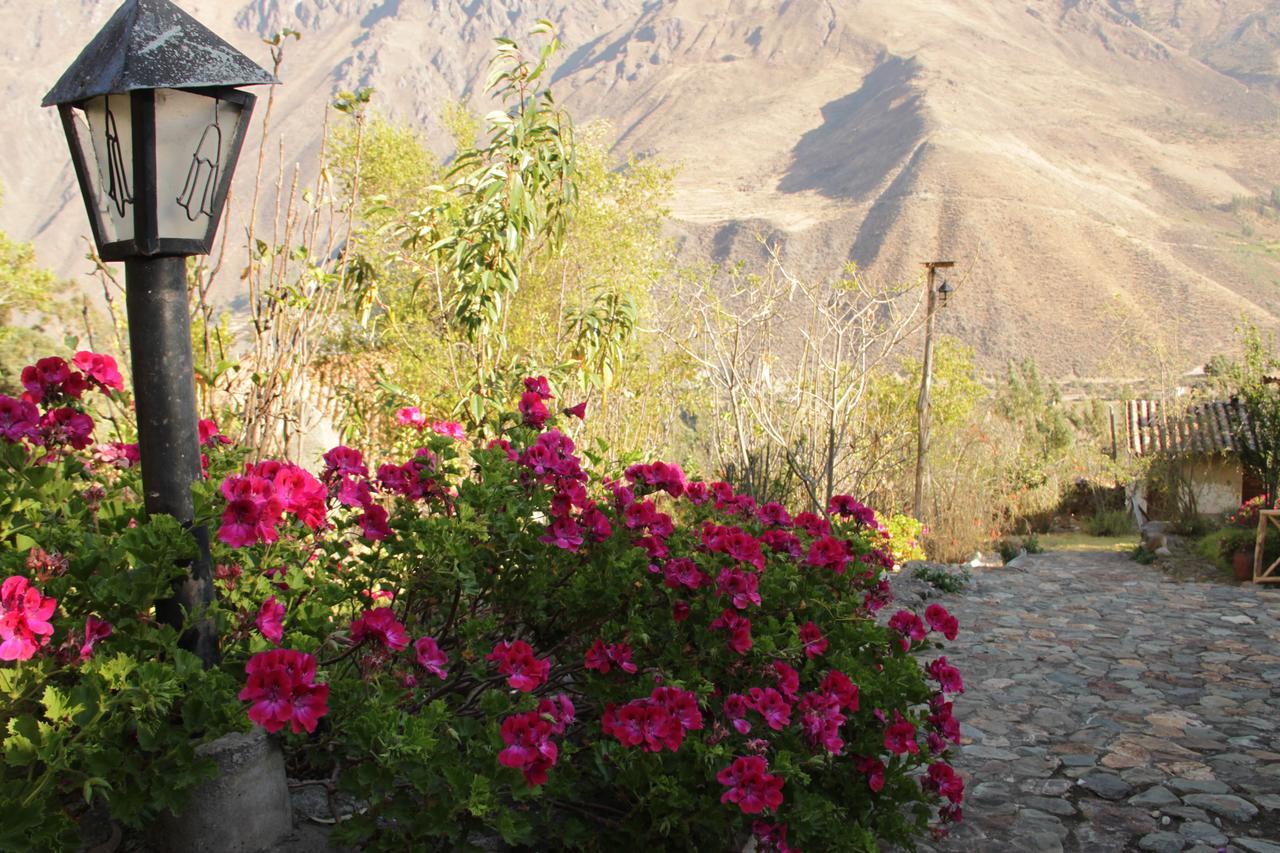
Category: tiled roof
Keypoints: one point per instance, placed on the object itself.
(1201, 428)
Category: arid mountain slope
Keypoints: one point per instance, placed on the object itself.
(1087, 162)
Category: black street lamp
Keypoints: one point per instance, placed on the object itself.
(155, 124)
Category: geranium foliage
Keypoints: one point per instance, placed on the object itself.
(491, 638)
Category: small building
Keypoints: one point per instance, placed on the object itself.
(1203, 437)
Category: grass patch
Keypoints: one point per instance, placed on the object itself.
(1084, 542)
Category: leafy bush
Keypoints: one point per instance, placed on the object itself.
(1110, 522)
(98, 703)
(1009, 549)
(485, 637)
(1219, 546)
(1140, 554)
(1246, 517)
(942, 578)
(905, 536)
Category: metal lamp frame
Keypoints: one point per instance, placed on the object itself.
(147, 241)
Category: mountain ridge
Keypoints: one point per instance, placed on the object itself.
(1084, 160)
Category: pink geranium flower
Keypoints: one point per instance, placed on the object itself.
(95, 630)
(772, 837)
(64, 426)
(942, 621)
(774, 514)
(874, 770)
(750, 785)
(209, 433)
(270, 620)
(941, 777)
(821, 719)
(373, 522)
(529, 747)
(533, 410)
(909, 626)
(739, 628)
(450, 429)
(771, 705)
(842, 689)
(741, 588)
(411, 416)
(538, 386)
(559, 711)
(282, 691)
(563, 533)
(430, 657)
(381, 626)
(735, 710)
(811, 636)
(101, 370)
(516, 660)
(847, 507)
(342, 461)
(24, 619)
(900, 738)
(601, 657)
(579, 411)
(19, 419)
(788, 680)
(830, 552)
(50, 378)
(948, 676)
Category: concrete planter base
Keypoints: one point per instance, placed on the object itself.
(244, 810)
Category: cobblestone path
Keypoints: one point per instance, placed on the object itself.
(1108, 708)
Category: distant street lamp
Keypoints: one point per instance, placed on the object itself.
(935, 298)
(155, 126)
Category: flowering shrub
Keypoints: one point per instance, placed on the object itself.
(97, 703)
(487, 638)
(1246, 516)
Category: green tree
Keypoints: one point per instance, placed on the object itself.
(1252, 381)
(576, 250)
(29, 305)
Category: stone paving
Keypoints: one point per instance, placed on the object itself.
(1110, 708)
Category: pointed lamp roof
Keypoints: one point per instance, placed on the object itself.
(152, 44)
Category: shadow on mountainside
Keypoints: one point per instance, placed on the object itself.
(865, 138)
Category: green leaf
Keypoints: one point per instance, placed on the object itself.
(20, 747)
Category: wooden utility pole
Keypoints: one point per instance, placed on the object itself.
(926, 380)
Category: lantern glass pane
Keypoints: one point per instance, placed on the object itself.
(194, 134)
(106, 124)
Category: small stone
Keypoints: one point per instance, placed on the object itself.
(1270, 802)
(1142, 776)
(1256, 845)
(1046, 787)
(988, 752)
(1053, 806)
(1162, 842)
(1238, 619)
(1199, 786)
(1079, 760)
(1198, 830)
(1107, 786)
(1227, 805)
(1157, 796)
(990, 793)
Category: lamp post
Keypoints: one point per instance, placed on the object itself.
(934, 298)
(155, 124)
